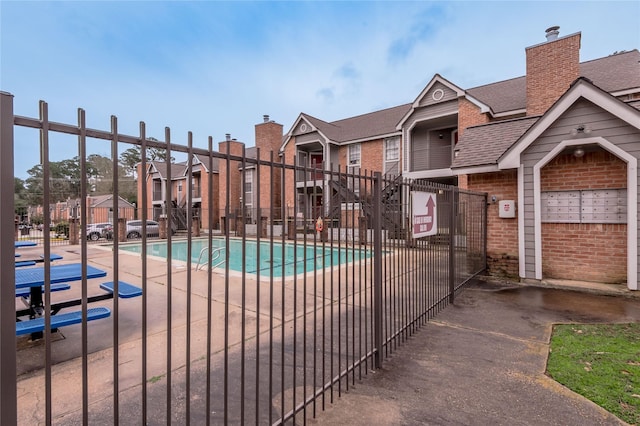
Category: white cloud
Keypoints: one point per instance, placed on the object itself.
(217, 67)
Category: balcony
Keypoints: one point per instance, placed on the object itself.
(196, 192)
(431, 157)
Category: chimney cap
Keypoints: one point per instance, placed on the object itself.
(265, 118)
(227, 136)
(552, 32)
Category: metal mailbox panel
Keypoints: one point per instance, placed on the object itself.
(586, 206)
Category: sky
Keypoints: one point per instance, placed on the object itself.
(214, 67)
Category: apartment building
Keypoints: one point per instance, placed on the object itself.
(556, 151)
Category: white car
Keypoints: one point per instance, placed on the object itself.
(96, 230)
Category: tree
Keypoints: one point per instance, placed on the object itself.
(20, 203)
(132, 156)
(64, 181)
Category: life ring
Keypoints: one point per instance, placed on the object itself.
(319, 225)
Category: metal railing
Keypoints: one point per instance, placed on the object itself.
(286, 320)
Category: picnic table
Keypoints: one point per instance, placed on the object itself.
(18, 244)
(30, 284)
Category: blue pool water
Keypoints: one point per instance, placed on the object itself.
(297, 259)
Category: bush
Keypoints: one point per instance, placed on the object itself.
(62, 229)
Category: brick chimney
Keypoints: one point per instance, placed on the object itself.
(551, 68)
(268, 135)
(269, 138)
(235, 148)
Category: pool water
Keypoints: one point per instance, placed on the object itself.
(297, 259)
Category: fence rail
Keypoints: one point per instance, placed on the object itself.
(302, 301)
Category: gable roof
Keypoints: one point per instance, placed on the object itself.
(436, 79)
(510, 95)
(363, 127)
(204, 160)
(177, 169)
(582, 88)
(484, 144)
(366, 126)
(107, 201)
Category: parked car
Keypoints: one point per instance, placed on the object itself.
(96, 230)
(134, 229)
(107, 232)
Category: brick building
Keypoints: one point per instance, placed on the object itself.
(558, 146)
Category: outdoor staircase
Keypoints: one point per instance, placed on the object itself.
(179, 216)
(391, 206)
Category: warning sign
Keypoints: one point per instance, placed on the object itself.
(423, 214)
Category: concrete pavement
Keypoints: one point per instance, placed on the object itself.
(482, 361)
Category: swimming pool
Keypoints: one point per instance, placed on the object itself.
(297, 259)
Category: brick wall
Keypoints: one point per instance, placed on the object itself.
(371, 156)
(204, 205)
(502, 234)
(469, 115)
(551, 68)
(269, 139)
(289, 176)
(595, 170)
(235, 180)
(587, 251)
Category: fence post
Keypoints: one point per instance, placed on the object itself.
(8, 398)
(452, 244)
(377, 268)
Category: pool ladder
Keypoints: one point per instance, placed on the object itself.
(216, 255)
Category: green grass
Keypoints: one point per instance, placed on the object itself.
(600, 362)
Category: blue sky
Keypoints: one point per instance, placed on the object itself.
(216, 67)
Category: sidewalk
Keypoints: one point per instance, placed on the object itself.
(482, 361)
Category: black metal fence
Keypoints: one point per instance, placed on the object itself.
(264, 320)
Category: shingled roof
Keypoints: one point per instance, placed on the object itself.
(510, 95)
(483, 145)
(176, 169)
(205, 160)
(366, 126)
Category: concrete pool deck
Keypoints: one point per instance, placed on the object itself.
(479, 361)
(66, 347)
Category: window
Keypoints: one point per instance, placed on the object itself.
(354, 154)
(248, 182)
(392, 149)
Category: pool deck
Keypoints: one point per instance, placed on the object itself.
(67, 343)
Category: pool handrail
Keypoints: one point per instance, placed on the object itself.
(215, 255)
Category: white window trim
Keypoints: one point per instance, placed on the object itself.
(349, 149)
(397, 148)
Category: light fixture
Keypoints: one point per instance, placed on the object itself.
(578, 152)
(440, 136)
(580, 130)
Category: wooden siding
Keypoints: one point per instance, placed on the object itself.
(309, 137)
(602, 124)
(428, 99)
(298, 129)
(432, 111)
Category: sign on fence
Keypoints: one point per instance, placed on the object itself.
(423, 214)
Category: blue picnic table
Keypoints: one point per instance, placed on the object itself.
(18, 244)
(33, 280)
(34, 277)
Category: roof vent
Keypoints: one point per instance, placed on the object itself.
(265, 118)
(552, 33)
(227, 136)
